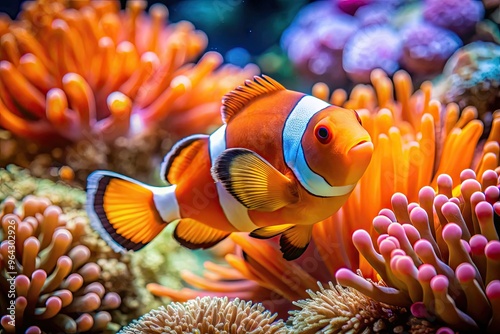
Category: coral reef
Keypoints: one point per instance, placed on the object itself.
(472, 77)
(316, 50)
(418, 36)
(92, 79)
(208, 315)
(439, 257)
(426, 48)
(377, 46)
(55, 282)
(459, 16)
(342, 310)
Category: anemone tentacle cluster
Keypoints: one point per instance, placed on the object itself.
(215, 315)
(336, 309)
(56, 285)
(53, 85)
(439, 257)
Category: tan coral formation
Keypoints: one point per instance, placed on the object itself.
(208, 315)
(336, 309)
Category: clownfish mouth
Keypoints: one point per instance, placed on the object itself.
(359, 156)
(363, 146)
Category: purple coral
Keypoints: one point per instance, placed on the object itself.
(377, 13)
(440, 257)
(459, 16)
(315, 41)
(427, 47)
(55, 283)
(370, 48)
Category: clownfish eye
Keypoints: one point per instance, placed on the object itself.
(357, 117)
(323, 134)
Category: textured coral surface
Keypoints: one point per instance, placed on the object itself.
(56, 285)
(208, 315)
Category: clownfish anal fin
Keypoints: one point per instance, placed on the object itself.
(294, 241)
(253, 181)
(180, 157)
(234, 101)
(270, 231)
(192, 234)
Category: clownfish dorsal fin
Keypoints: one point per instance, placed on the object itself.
(234, 101)
(180, 157)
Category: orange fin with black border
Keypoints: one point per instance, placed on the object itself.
(124, 212)
(270, 231)
(234, 101)
(194, 235)
(180, 157)
(295, 240)
(253, 181)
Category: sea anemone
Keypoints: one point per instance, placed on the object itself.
(55, 284)
(416, 139)
(88, 72)
(208, 315)
(342, 310)
(440, 257)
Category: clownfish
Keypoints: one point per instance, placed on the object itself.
(281, 162)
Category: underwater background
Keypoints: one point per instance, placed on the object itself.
(88, 85)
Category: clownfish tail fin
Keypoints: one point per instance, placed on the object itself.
(126, 213)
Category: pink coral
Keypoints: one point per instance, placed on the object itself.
(56, 284)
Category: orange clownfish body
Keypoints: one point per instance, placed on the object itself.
(281, 162)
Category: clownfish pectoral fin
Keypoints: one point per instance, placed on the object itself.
(270, 231)
(124, 211)
(194, 235)
(253, 181)
(295, 240)
(180, 157)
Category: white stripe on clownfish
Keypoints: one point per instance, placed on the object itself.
(235, 212)
(293, 131)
